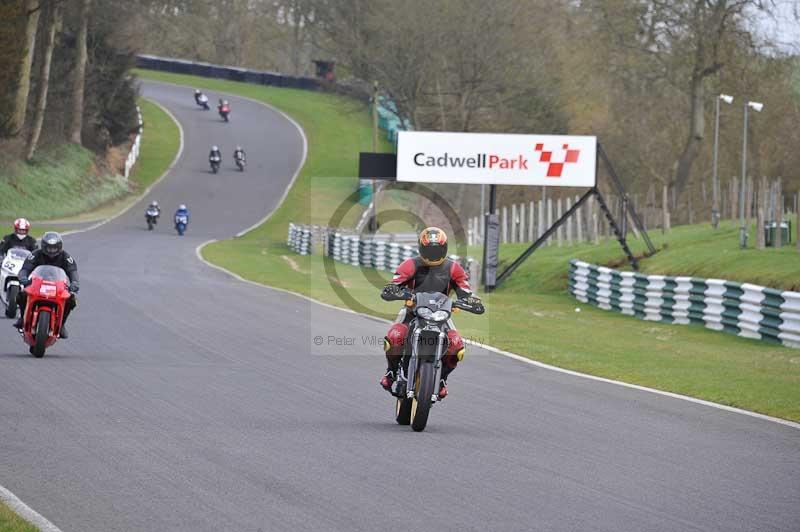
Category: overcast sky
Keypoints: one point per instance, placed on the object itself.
(783, 26)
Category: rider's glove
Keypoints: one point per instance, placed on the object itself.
(25, 282)
(391, 292)
(473, 301)
(74, 287)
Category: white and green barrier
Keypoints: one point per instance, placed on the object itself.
(746, 310)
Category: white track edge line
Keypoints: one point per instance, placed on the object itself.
(198, 252)
(520, 358)
(26, 512)
(149, 188)
(297, 172)
(515, 356)
(22, 509)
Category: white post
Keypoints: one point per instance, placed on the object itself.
(513, 228)
(579, 223)
(531, 224)
(540, 229)
(521, 222)
(560, 230)
(569, 221)
(549, 213)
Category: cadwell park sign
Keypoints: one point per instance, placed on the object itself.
(499, 159)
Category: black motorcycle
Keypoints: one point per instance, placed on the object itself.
(416, 388)
(214, 161)
(151, 215)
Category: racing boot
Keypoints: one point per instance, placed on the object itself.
(18, 324)
(63, 334)
(442, 389)
(388, 380)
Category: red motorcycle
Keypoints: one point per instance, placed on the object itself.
(47, 297)
(224, 110)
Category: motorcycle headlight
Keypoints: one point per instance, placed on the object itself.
(439, 315)
(424, 313)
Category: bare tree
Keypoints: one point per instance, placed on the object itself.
(79, 74)
(52, 20)
(31, 9)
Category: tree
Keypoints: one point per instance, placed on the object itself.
(30, 10)
(52, 20)
(79, 74)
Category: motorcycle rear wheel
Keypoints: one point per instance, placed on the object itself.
(11, 306)
(422, 401)
(42, 333)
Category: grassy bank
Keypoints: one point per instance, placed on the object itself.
(11, 522)
(531, 315)
(62, 184)
(695, 250)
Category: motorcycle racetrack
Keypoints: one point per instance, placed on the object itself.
(187, 400)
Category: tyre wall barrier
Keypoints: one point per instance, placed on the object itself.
(381, 252)
(746, 310)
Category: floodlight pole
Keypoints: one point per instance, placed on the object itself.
(373, 219)
(715, 178)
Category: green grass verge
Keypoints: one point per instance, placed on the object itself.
(11, 522)
(60, 184)
(695, 250)
(532, 315)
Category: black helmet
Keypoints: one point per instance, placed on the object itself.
(52, 244)
(432, 246)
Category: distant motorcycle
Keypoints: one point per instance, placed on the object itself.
(47, 297)
(224, 111)
(181, 221)
(215, 162)
(151, 215)
(9, 278)
(202, 101)
(416, 388)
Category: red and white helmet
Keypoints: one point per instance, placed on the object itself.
(22, 226)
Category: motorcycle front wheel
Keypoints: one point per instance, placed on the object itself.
(403, 411)
(11, 306)
(42, 333)
(423, 394)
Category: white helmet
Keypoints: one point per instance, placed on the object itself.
(21, 227)
(197, 91)
(214, 148)
(154, 203)
(182, 207)
(239, 148)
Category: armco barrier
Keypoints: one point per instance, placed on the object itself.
(388, 119)
(746, 310)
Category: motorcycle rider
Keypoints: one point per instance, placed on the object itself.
(200, 98)
(51, 253)
(182, 211)
(239, 155)
(431, 271)
(153, 208)
(214, 154)
(19, 238)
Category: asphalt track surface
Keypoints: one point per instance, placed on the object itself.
(187, 400)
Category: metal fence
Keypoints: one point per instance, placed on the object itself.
(746, 310)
